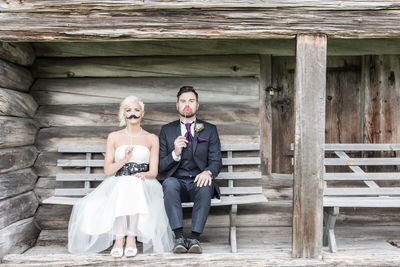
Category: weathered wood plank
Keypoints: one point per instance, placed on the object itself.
(14, 77)
(382, 99)
(17, 208)
(362, 147)
(184, 66)
(106, 5)
(12, 159)
(265, 114)
(342, 176)
(18, 237)
(310, 84)
(102, 148)
(201, 23)
(343, 103)
(100, 163)
(275, 47)
(155, 114)
(282, 105)
(50, 138)
(18, 53)
(224, 191)
(362, 202)
(13, 103)
(165, 48)
(361, 161)
(393, 191)
(113, 90)
(101, 177)
(16, 131)
(17, 182)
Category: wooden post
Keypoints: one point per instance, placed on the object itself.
(310, 83)
(265, 115)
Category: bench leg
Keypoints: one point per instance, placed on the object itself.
(232, 228)
(330, 215)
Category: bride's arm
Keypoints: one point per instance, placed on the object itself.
(153, 162)
(110, 166)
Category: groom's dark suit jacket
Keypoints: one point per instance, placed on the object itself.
(206, 149)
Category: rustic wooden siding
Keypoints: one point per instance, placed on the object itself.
(82, 108)
(123, 20)
(18, 202)
(270, 46)
(342, 105)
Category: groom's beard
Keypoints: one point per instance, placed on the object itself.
(188, 115)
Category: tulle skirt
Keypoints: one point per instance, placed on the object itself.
(117, 207)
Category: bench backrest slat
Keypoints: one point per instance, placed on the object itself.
(361, 161)
(237, 155)
(100, 176)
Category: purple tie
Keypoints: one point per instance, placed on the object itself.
(188, 134)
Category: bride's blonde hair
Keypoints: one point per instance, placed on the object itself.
(122, 106)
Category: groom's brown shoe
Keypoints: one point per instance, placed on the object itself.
(193, 246)
(180, 246)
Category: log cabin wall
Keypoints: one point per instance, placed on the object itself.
(79, 100)
(18, 202)
(79, 88)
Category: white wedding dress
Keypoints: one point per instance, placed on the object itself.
(119, 206)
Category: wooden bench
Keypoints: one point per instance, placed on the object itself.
(78, 178)
(355, 187)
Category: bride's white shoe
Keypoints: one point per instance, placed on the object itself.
(116, 252)
(130, 252)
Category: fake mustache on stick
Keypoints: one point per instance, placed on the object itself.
(132, 116)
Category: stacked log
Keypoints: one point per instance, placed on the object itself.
(18, 202)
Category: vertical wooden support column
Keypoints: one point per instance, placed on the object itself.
(310, 87)
(265, 115)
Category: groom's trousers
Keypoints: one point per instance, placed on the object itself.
(178, 190)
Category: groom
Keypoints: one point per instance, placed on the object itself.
(190, 155)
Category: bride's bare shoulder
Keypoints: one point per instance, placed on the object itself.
(115, 135)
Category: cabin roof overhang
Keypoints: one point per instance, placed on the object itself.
(32, 21)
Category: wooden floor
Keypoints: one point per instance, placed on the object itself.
(257, 246)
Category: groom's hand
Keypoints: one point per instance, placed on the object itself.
(203, 178)
(179, 143)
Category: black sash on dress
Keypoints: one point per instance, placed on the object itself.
(131, 168)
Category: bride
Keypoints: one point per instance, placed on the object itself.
(128, 203)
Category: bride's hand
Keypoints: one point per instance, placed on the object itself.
(140, 176)
(128, 153)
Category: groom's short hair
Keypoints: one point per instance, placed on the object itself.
(185, 89)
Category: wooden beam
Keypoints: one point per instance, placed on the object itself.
(17, 208)
(17, 182)
(14, 77)
(13, 103)
(78, 91)
(12, 159)
(193, 66)
(16, 131)
(50, 138)
(165, 48)
(18, 237)
(241, 23)
(275, 47)
(155, 114)
(265, 114)
(123, 5)
(310, 83)
(18, 53)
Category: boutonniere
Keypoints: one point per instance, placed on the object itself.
(198, 127)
